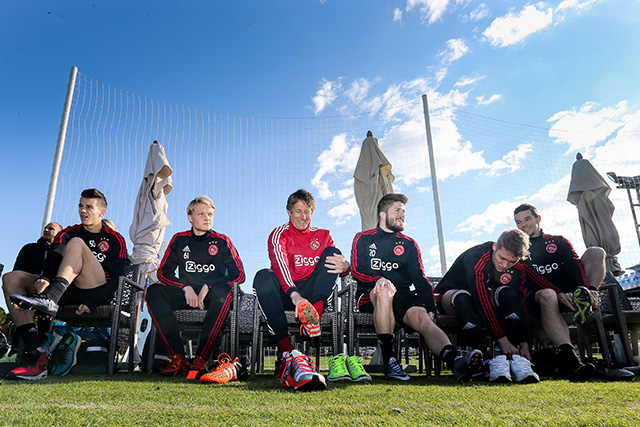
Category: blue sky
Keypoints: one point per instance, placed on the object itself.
(566, 64)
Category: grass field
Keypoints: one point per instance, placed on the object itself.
(139, 399)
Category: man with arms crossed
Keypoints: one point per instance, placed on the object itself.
(84, 264)
(392, 285)
(553, 257)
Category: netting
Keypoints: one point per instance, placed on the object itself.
(249, 165)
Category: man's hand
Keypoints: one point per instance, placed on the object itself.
(507, 348)
(41, 284)
(524, 350)
(82, 309)
(190, 296)
(201, 296)
(296, 299)
(595, 299)
(337, 264)
(383, 284)
(567, 299)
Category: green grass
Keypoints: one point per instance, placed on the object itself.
(139, 399)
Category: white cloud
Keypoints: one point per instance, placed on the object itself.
(345, 211)
(327, 93)
(582, 129)
(496, 217)
(456, 49)
(397, 15)
(359, 89)
(511, 161)
(484, 101)
(572, 5)
(514, 27)
(467, 81)
(478, 14)
(431, 10)
(340, 158)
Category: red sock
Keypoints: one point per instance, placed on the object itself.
(319, 306)
(285, 345)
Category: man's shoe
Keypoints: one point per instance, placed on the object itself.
(521, 371)
(583, 372)
(568, 363)
(38, 303)
(394, 370)
(226, 371)
(37, 371)
(198, 368)
(499, 369)
(310, 319)
(178, 365)
(356, 370)
(582, 300)
(465, 367)
(338, 368)
(300, 373)
(65, 355)
(51, 342)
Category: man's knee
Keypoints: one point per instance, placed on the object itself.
(330, 251)
(418, 318)
(593, 255)
(384, 298)
(13, 282)
(547, 298)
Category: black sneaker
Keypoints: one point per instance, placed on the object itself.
(569, 364)
(465, 367)
(38, 303)
(394, 370)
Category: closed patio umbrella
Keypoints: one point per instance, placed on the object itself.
(373, 179)
(589, 192)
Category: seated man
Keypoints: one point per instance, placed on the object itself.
(26, 270)
(554, 259)
(304, 267)
(207, 266)
(392, 285)
(484, 288)
(82, 267)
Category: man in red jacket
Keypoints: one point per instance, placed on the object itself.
(304, 267)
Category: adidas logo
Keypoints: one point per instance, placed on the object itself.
(373, 246)
(469, 325)
(512, 316)
(186, 249)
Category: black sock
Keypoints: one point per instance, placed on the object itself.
(56, 288)
(448, 354)
(29, 336)
(386, 346)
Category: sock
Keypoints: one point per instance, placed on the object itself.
(30, 336)
(319, 306)
(285, 345)
(386, 346)
(56, 288)
(448, 354)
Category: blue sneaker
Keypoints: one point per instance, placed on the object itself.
(65, 355)
(51, 342)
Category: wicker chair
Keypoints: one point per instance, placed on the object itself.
(121, 314)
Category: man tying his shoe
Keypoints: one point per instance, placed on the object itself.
(392, 285)
(198, 270)
(304, 267)
(578, 279)
(82, 267)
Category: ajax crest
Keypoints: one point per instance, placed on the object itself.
(398, 250)
(103, 246)
(552, 248)
(315, 244)
(213, 250)
(505, 278)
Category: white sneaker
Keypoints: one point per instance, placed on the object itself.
(499, 370)
(300, 373)
(521, 370)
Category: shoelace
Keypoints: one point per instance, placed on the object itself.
(395, 367)
(337, 361)
(303, 363)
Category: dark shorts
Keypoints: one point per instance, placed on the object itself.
(76, 296)
(403, 300)
(533, 308)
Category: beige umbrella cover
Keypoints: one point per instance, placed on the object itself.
(150, 213)
(590, 193)
(373, 179)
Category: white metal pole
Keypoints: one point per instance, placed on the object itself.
(62, 134)
(434, 184)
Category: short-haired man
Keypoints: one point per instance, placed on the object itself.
(392, 285)
(26, 270)
(485, 287)
(577, 281)
(207, 266)
(304, 267)
(82, 267)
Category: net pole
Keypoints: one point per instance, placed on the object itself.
(57, 158)
(434, 184)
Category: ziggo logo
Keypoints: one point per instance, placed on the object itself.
(305, 261)
(378, 264)
(193, 267)
(542, 269)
